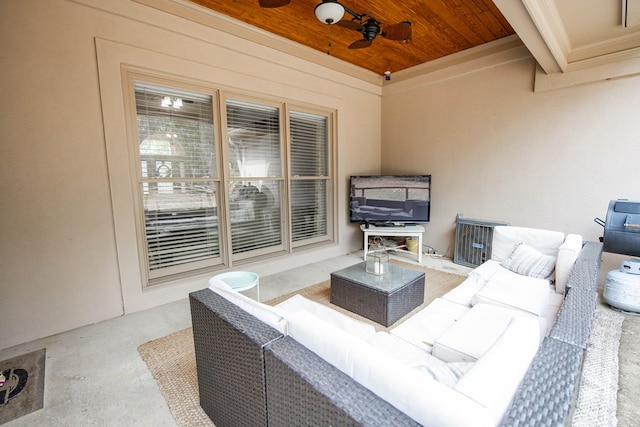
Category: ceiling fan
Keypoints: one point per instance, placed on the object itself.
(331, 12)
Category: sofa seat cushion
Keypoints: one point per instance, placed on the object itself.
(512, 290)
(464, 292)
(471, 336)
(272, 316)
(447, 373)
(414, 392)
(347, 324)
(424, 327)
(494, 378)
(402, 350)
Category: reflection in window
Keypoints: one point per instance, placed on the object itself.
(254, 152)
(177, 177)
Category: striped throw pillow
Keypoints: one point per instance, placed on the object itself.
(529, 261)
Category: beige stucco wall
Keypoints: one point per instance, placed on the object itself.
(69, 255)
(498, 150)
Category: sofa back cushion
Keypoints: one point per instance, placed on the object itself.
(324, 339)
(567, 256)
(348, 324)
(267, 314)
(505, 239)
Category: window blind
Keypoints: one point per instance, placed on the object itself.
(310, 173)
(177, 177)
(255, 161)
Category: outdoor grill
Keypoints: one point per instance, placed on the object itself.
(622, 228)
(622, 236)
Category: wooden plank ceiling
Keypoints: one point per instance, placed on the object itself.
(439, 28)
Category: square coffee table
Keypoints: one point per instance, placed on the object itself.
(383, 299)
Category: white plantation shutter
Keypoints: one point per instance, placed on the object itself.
(255, 162)
(309, 175)
(177, 178)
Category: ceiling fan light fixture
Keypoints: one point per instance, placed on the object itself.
(329, 12)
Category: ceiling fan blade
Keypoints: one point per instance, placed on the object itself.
(352, 24)
(401, 31)
(360, 44)
(274, 3)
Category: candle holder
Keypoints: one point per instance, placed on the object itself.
(377, 262)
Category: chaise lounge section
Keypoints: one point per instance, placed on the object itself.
(275, 368)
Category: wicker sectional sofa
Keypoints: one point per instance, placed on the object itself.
(250, 373)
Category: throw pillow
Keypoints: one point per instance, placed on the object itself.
(448, 373)
(529, 261)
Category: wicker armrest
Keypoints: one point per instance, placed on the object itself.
(303, 389)
(229, 346)
(548, 391)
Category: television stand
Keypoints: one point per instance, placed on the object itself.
(406, 230)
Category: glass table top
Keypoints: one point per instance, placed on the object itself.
(395, 278)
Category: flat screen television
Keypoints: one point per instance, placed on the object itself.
(390, 199)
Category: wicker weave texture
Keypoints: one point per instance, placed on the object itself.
(545, 395)
(381, 307)
(304, 390)
(547, 391)
(574, 319)
(229, 362)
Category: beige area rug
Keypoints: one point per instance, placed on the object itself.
(597, 404)
(172, 362)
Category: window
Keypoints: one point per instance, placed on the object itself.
(255, 177)
(265, 190)
(309, 176)
(178, 180)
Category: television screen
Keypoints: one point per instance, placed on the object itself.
(392, 199)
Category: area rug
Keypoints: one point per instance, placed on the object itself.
(437, 283)
(172, 362)
(21, 385)
(596, 404)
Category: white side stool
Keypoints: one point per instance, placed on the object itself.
(239, 281)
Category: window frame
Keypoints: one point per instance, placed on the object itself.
(226, 258)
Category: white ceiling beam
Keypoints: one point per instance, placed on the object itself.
(518, 16)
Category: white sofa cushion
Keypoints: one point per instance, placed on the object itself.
(324, 339)
(425, 326)
(471, 336)
(495, 377)
(348, 324)
(447, 373)
(464, 292)
(477, 331)
(401, 350)
(413, 392)
(505, 238)
(567, 255)
(529, 261)
(272, 316)
(512, 290)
